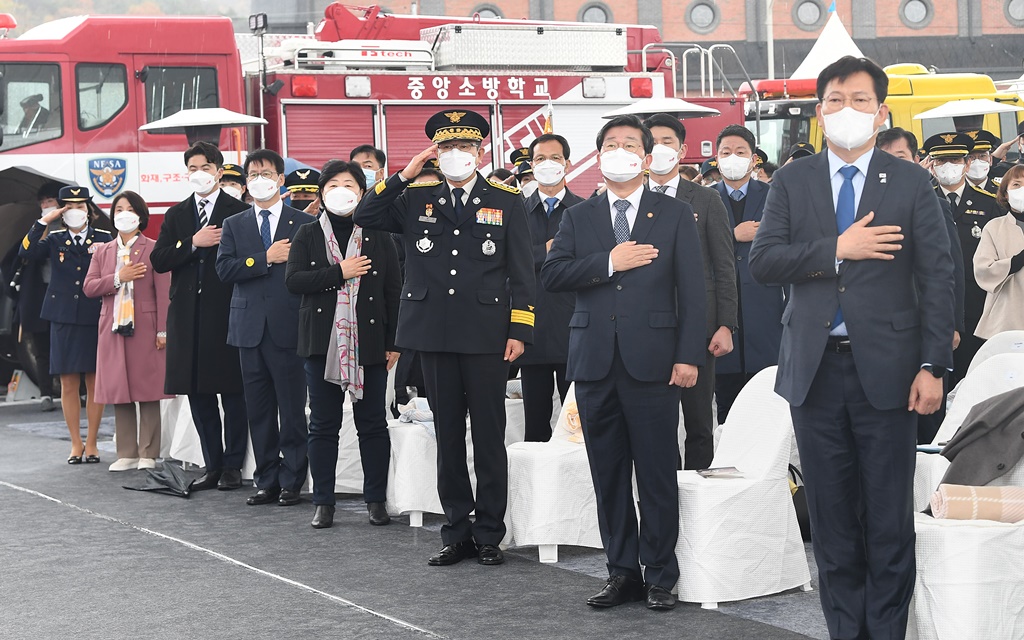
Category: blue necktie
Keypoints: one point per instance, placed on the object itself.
(265, 229)
(736, 195)
(621, 225)
(845, 213)
(457, 194)
(552, 203)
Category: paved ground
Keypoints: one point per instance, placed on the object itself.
(80, 556)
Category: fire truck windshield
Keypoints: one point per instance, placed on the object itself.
(30, 99)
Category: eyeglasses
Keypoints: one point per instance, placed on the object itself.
(557, 158)
(632, 147)
(269, 175)
(860, 103)
(941, 161)
(461, 146)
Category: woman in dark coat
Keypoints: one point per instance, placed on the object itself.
(350, 284)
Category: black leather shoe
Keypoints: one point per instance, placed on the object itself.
(659, 598)
(452, 554)
(209, 480)
(263, 496)
(490, 555)
(230, 479)
(323, 517)
(378, 514)
(288, 498)
(618, 590)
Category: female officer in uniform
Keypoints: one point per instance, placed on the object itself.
(73, 317)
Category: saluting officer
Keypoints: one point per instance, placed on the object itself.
(464, 239)
(73, 316)
(972, 208)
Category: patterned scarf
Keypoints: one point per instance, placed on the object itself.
(343, 352)
(124, 302)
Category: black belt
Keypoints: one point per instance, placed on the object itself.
(838, 344)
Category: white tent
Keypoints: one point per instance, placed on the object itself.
(833, 43)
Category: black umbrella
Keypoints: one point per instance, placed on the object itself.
(169, 479)
(21, 184)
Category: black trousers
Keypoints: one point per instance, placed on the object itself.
(539, 382)
(223, 445)
(727, 388)
(325, 414)
(457, 382)
(858, 465)
(275, 384)
(628, 423)
(698, 418)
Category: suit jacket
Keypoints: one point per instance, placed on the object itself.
(716, 246)
(898, 313)
(756, 344)
(65, 302)
(990, 442)
(554, 310)
(261, 302)
(311, 275)
(655, 312)
(199, 358)
(459, 271)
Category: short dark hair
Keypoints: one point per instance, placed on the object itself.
(49, 190)
(631, 121)
(889, 137)
(139, 206)
(665, 120)
(266, 156)
(427, 171)
(769, 168)
(334, 167)
(207, 150)
(739, 131)
(501, 174)
(382, 159)
(551, 137)
(688, 171)
(845, 67)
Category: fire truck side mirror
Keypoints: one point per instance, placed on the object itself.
(142, 74)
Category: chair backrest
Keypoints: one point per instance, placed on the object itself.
(1005, 342)
(758, 434)
(998, 374)
(568, 428)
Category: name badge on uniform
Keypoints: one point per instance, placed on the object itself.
(428, 214)
(93, 248)
(489, 216)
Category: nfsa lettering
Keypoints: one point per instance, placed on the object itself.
(385, 54)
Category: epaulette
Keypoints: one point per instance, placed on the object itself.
(424, 184)
(56, 231)
(503, 186)
(976, 188)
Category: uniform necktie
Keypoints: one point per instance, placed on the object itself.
(265, 228)
(661, 188)
(621, 226)
(203, 218)
(78, 241)
(736, 195)
(952, 199)
(551, 203)
(845, 213)
(457, 194)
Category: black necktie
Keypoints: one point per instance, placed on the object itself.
(203, 219)
(457, 194)
(952, 199)
(78, 242)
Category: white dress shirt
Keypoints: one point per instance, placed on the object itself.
(275, 216)
(634, 207)
(211, 202)
(959, 192)
(672, 184)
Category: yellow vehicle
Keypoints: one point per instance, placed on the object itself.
(787, 107)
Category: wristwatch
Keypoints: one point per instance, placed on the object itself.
(937, 372)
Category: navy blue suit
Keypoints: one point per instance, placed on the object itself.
(263, 324)
(626, 333)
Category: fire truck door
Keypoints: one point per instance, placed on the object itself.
(404, 136)
(315, 132)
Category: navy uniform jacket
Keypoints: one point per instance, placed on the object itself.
(65, 302)
(656, 312)
(972, 212)
(455, 298)
(261, 301)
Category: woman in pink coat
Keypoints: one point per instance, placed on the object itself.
(132, 333)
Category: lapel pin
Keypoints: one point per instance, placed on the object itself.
(476, 200)
(650, 215)
(881, 178)
(442, 201)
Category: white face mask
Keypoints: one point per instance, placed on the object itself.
(263, 189)
(1016, 199)
(549, 173)
(849, 128)
(734, 167)
(663, 159)
(234, 192)
(341, 201)
(979, 170)
(75, 218)
(126, 221)
(949, 174)
(202, 182)
(457, 165)
(371, 177)
(620, 165)
(530, 188)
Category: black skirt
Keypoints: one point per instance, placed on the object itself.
(72, 348)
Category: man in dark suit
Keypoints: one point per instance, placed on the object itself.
(467, 246)
(637, 334)
(760, 316)
(719, 280)
(859, 238)
(263, 325)
(542, 365)
(200, 362)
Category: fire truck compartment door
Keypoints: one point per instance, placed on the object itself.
(316, 133)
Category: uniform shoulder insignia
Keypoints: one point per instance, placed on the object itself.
(503, 187)
(103, 231)
(979, 189)
(424, 184)
(56, 231)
